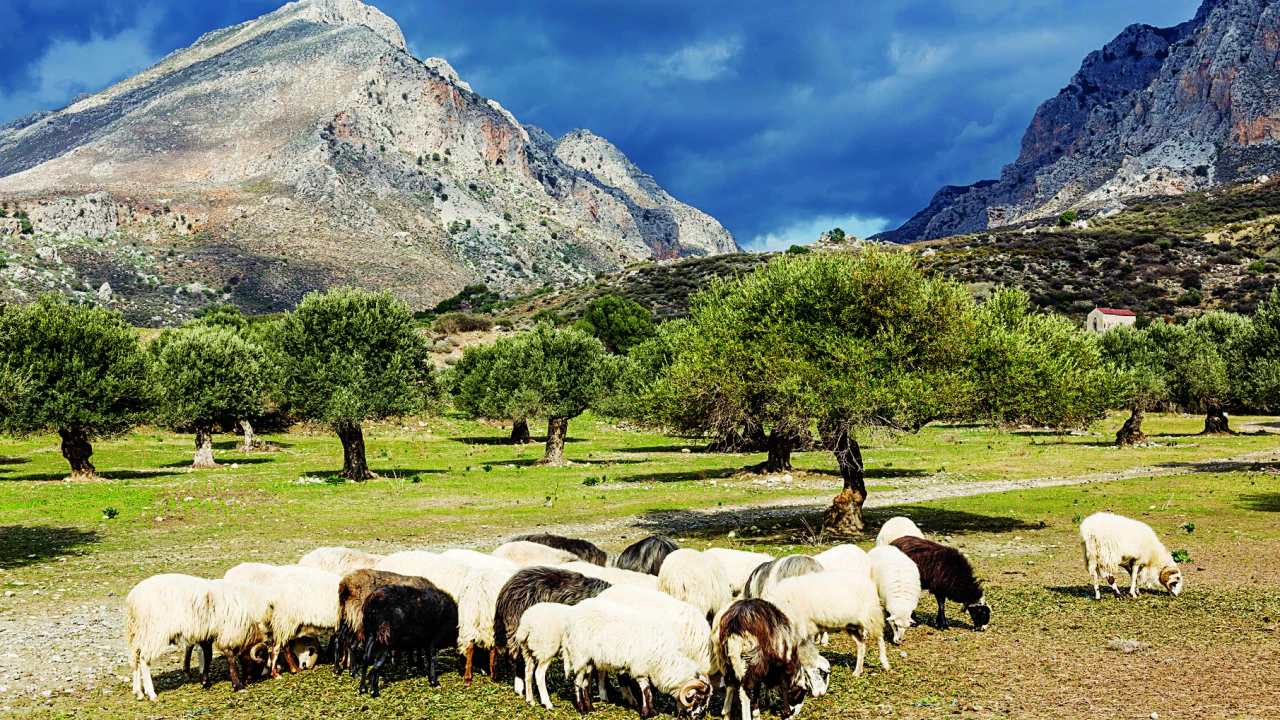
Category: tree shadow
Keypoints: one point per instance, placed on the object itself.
(28, 544)
(389, 473)
(234, 444)
(1079, 592)
(112, 475)
(6, 460)
(693, 449)
(222, 462)
(682, 476)
(893, 473)
(506, 440)
(1214, 466)
(1261, 502)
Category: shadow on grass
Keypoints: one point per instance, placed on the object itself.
(6, 460)
(1083, 592)
(223, 462)
(389, 473)
(695, 449)
(667, 477)
(1217, 466)
(506, 440)
(940, 521)
(1261, 502)
(27, 544)
(234, 444)
(112, 475)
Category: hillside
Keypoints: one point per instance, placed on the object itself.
(308, 149)
(1157, 111)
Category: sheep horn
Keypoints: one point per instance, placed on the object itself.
(258, 653)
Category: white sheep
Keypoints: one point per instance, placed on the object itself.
(612, 575)
(844, 557)
(895, 528)
(172, 609)
(608, 638)
(477, 602)
(304, 602)
(831, 602)
(898, 581)
(526, 554)
(540, 638)
(687, 622)
(338, 560)
(445, 573)
(738, 565)
(698, 579)
(1112, 543)
(476, 559)
(257, 573)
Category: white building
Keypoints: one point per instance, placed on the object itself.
(1103, 319)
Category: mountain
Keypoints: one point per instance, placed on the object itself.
(1157, 111)
(308, 149)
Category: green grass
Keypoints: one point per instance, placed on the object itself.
(1046, 651)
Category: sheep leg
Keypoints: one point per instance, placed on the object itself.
(942, 613)
(745, 700)
(364, 666)
(274, 660)
(493, 663)
(376, 674)
(785, 696)
(542, 685)
(602, 685)
(862, 653)
(1111, 581)
(884, 658)
(340, 649)
(186, 660)
(291, 660)
(647, 710)
(630, 690)
(147, 686)
(529, 662)
(236, 683)
(206, 653)
(1133, 582)
(431, 666)
(466, 674)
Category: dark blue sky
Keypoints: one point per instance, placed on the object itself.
(780, 119)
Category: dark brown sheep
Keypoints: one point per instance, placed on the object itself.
(353, 590)
(646, 556)
(946, 572)
(582, 548)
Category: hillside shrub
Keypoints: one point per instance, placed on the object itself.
(459, 322)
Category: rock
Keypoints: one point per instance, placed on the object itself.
(94, 215)
(104, 292)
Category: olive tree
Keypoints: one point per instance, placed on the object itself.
(1207, 365)
(350, 356)
(207, 375)
(1262, 350)
(619, 323)
(1139, 358)
(550, 373)
(82, 374)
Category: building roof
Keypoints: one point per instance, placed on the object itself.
(1117, 311)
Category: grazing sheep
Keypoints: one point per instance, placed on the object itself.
(605, 637)
(478, 560)
(166, 610)
(895, 528)
(540, 638)
(646, 556)
(353, 590)
(304, 601)
(405, 619)
(338, 560)
(529, 587)
(758, 647)
(697, 579)
(257, 573)
(585, 550)
(946, 572)
(833, 601)
(613, 576)
(738, 564)
(1112, 543)
(307, 651)
(528, 554)
(477, 603)
(771, 573)
(898, 580)
(844, 557)
(446, 573)
(687, 622)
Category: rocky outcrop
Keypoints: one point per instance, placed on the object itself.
(1155, 111)
(307, 149)
(92, 216)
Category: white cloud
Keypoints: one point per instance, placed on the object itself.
(68, 68)
(806, 231)
(702, 62)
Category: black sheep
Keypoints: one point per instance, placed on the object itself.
(531, 586)
(757, 632)
(353, 590)
(946, 572)
(403, 619)
(583, 549)
(646, 556)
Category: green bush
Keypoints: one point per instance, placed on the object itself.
(1163, 243)
(798, 250)
(1066, 218)
(619, 323)
(1191, 298)
(550, 316)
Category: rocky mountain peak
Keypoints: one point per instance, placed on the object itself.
(349, 12)
(1155, 111)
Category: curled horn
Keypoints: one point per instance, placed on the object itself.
(258, 653)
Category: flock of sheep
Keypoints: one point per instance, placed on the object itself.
(660, 618)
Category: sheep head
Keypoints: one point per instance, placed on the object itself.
(900, 626)
(1171, 579)
(307, 650)
(814, 669)
(694, 697)
(980, 613)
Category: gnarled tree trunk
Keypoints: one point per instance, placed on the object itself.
(1131, 432)
(844, 517)
(520, 432)
(781, 441)
(77, 450)
(1215, 421)
(251, 441)
(557, 431)
(354, 466)
(204, 450)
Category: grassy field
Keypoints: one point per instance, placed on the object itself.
(450, 482)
